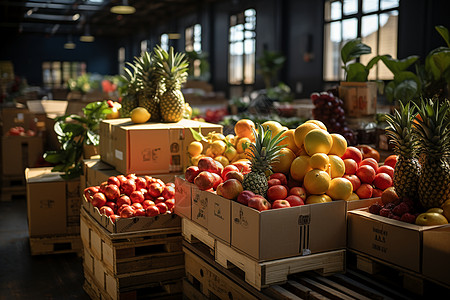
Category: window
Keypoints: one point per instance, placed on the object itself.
(144, 46)
(165, 41)
(374, 21)
(121, 60)
(193, 38)
(242, 48)
(57, 73)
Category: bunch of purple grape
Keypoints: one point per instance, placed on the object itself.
(330, 110)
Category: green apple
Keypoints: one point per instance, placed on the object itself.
(430, 218)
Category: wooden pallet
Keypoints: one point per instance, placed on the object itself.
(55, 245)
(392, 274)
(206, 279)
(13, 187)
(170, 289)
(262, 274)
(133, 251)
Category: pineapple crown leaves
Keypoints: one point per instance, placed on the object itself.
(266, 149)
(172, 66)
(432, 129)
(399, 129)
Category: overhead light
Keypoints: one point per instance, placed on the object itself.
(69, 44)
(29, 12)
(87, 37)
(123, 9)
(75, 17)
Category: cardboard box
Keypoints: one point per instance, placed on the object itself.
(362, 203)
(360, 98)
(53, 204)
(436, 253)
(20, 152)
(219, 217)
(199, 202)
(142, 148)
(183, 197)
(12, 117)
(393, 241)
(280, 233)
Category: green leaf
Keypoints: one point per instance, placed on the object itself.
(356, 72)
(353, 49)
(198, 136)
(93, 138)
(389, 90)
(53, 157)
(407, 89)
(437, 62)
(443, 31)
(398, 65)
(372, 62)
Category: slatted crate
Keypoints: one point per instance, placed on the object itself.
(263, 274)
(132, 263)
(55, 245)
(13, 186)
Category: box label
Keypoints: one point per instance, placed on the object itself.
(379, 239)
(199, 207)
(118, 154)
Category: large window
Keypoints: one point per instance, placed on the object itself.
(193, 38)
(374, 21)
(242, 48)
(57, 73)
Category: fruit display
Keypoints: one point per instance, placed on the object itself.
(330, 110)
(132, 196)
(20, 131)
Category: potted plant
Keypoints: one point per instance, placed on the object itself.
(269, 64)
(78, 137)
(359, 94)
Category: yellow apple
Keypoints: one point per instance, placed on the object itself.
(430, 218)
(436, 210)
(446, 208)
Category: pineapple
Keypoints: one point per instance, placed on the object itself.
(149, 83)
(172, 68)
(130, 95)
(407, 168)
(433, 135)
(264, 151)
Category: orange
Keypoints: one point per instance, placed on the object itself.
(318, 140)
(317, 182)
(319, 161)
(240, 144)
(139, 115)
(318, 199)
(243, 128)
(274, 126)
(301, 131)
(284, 162)
(299, 167)
(318, 123)
(301, 151)
(340, 189)
(339, 144)
(289, 140)
(337, 166)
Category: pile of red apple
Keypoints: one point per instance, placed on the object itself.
(20, 131)
(368, 179)
(132, 196)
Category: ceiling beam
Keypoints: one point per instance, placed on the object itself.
(81, 7)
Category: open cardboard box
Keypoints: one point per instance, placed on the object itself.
(436, 253)
(183, 197)
(53, 204)
(393, 241)
(142, 148)
(19, 153)
(287, 232)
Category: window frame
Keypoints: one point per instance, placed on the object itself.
(76, 68)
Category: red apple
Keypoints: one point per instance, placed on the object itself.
(273, 181)
(112, 204)
(127, 212)
(217, 180)
(353, 153)
(295, 200)
(243, 166)
(386, 169)
(147, 203)
(114, 218)
(152, 211)
(106, 210)
(376, 193)
(356, 182)
(99, 199)
(112, 192)
(244, 197)
(230, 189)
(227, 169)
(170, 204)
(155, 189)
(280, 204)
(159, 199)
(140, 212)
(277, 192)
(259, 203)
(350, 166)
(131, 176)
(121, 178)
(162, 207)
(119, 210)
(190, 173)
(364, 191)
(103, 186)
(141, 183)
(124, 199)
(204, 180)
(170, 184)
(293, 183)
(168, 192)
(137, 205)
(366, 174)
(146, 194)
(114, 180)
(369, 162)
(391, 160)
(234, 175)
(298, 191)
(90, 192)
(279, 176)
(128, 186)
(382, 181)
(137, 197)
(207, 163)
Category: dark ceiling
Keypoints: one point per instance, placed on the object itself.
(57, 17)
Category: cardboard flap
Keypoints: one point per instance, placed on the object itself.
(57, 107)
(36, 175)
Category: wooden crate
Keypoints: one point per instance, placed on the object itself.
(263, 274)
(55, 245)
(206, 279)
(123, 253)
(149, 285)
(13, 186)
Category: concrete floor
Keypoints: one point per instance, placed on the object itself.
(23, 276)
